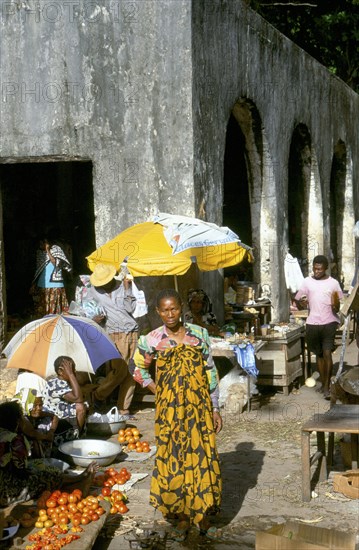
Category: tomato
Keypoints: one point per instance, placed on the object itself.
(94, 516)
(62, 500)
(100, 511)
(123, 471)
(65, 495)
(85, 520)
(43, 517)
(106, 491)
(122, 508)
(78, 493)
(76, 522)
(135, 431)
(51, 503)
(80, 505)
(72, 508)
(63, 519)
(55, 494)
(39, 524)
(42, 512)
(113, 510)
(121, 439)
(72, 498)
(48, 523)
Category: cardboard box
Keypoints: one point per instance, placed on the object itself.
(347, 483)
(299, 536)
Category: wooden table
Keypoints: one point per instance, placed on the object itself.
(340, 418)
(280, 363)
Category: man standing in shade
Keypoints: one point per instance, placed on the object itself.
(321, 294)
(118, 303)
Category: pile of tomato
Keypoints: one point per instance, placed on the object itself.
(131, 437)
(116, 497)
(63, 508)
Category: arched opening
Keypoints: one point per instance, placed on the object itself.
(236, 200)
(250, 198)
(337, 208)
(305, 218)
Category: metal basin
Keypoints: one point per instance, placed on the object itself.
(84, 451)
(105, 428)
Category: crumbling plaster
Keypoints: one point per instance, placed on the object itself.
(144, 89)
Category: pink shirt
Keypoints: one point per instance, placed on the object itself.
(319, 294)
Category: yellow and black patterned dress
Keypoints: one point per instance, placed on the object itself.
(186, 477)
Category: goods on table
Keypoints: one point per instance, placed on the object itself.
(61, 517)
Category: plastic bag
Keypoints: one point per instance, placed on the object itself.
(111, 416)
(141, 305)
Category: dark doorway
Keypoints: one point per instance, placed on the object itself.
(40, 198)
(299, 170)
(337, 204)
(236, 203)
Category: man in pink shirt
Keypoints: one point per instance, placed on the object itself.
(321, 294)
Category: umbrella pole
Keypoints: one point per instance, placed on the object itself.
(176, 283)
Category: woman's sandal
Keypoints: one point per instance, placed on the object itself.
(179, 534)
(212, 532)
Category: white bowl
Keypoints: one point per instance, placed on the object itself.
(85, 451)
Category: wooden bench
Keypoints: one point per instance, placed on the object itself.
(340, 418)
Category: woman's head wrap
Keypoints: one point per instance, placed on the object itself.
(200, 293)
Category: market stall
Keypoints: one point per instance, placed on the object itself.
(280, 362)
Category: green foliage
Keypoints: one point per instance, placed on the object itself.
(326, 29)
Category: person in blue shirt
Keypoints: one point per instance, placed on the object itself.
(48, 289)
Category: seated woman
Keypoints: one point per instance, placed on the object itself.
(19, 483)
(44, 423)
(200, 312)
(63, 397)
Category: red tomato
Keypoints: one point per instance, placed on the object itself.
(122, 508)
(100, 511)
(76, 522)
(62, 500)
(55, 494)
(113, 510)
(85, 520)
(78, 493)
(51, 503)
(63, 519)
(73, 498)
(94, 516)
(106, 491)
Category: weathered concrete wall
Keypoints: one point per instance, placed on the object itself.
(107, 81)
(236, 54)
(144, 90)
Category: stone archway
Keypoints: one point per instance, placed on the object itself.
(253, 149)
(305, 211)
(341, 214)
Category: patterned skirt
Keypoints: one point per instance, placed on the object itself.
(186, 477)
(50, 301)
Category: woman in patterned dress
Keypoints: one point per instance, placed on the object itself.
(48, 288)
(186, 480)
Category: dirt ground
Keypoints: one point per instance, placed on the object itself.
(260, 453)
